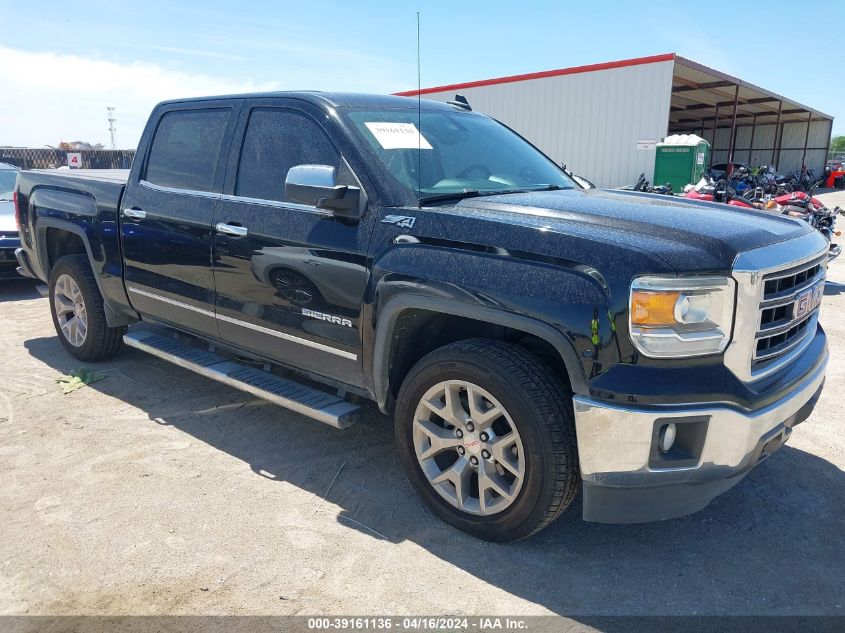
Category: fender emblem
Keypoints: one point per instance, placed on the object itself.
(402, 221)
(330, 318)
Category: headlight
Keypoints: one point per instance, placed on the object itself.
(675, 317)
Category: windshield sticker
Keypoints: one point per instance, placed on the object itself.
(398, 135)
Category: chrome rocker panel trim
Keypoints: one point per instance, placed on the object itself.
(245, 324)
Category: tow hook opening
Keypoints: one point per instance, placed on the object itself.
(772, 445)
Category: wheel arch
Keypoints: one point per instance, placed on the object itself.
(385, 373)
(47, 230)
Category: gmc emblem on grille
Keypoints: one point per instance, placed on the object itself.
(808, 301)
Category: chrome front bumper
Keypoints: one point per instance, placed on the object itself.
(627, 480)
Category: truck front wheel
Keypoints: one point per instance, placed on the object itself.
(78, 312)
(486, 435)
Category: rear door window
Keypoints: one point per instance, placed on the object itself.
(186, 148)
(276, 140)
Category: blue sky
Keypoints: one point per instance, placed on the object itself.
(66, 61)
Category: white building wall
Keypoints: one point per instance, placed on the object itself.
(591, 120)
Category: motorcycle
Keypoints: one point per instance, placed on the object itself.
(710, 190)
(643, 185)
(824, 220)
(741, 180)
(800, 181)
(813, 211)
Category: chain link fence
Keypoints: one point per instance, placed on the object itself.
(45, 158)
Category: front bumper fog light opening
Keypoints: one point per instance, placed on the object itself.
(666, 437)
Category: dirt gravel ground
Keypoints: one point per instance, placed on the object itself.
(156, 491)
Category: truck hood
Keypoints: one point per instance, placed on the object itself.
(7, 217)
(690, 236)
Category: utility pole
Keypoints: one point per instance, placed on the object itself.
(112, 120)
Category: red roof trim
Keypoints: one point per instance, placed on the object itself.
(540, 75)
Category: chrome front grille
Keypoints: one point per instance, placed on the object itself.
(788, 310)
(779, 284)
(779, 288)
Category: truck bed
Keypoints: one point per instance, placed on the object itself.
(110, 175)
(85, 202)
(105, 186)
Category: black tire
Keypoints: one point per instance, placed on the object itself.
(101, 341)
(541, 409)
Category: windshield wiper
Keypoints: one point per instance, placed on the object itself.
(455, 195)
(537, 188)
(475, 193)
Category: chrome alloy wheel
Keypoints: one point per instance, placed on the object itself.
(468, 447)
(70, 310)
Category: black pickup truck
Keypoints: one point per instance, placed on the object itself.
(527, 335)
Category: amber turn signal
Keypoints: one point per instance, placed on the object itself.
(653, 308)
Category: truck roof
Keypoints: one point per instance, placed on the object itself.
(333, 99)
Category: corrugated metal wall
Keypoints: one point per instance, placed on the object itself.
(765, 138)
(592, 120)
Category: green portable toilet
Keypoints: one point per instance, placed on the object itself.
(680, 159)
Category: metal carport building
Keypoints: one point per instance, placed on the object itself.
(603, 119)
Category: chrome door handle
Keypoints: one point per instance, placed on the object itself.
(135, 214)
(231, 229)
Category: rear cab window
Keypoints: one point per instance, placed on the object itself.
(185, 149)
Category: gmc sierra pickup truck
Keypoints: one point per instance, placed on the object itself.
(527, 335)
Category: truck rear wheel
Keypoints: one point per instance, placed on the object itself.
(486, 436)
(78, 314)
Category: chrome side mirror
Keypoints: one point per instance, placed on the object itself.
(315, 185)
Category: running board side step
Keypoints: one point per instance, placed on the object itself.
(316, 404)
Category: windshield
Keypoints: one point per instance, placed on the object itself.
(455, 153)
(7, 183)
